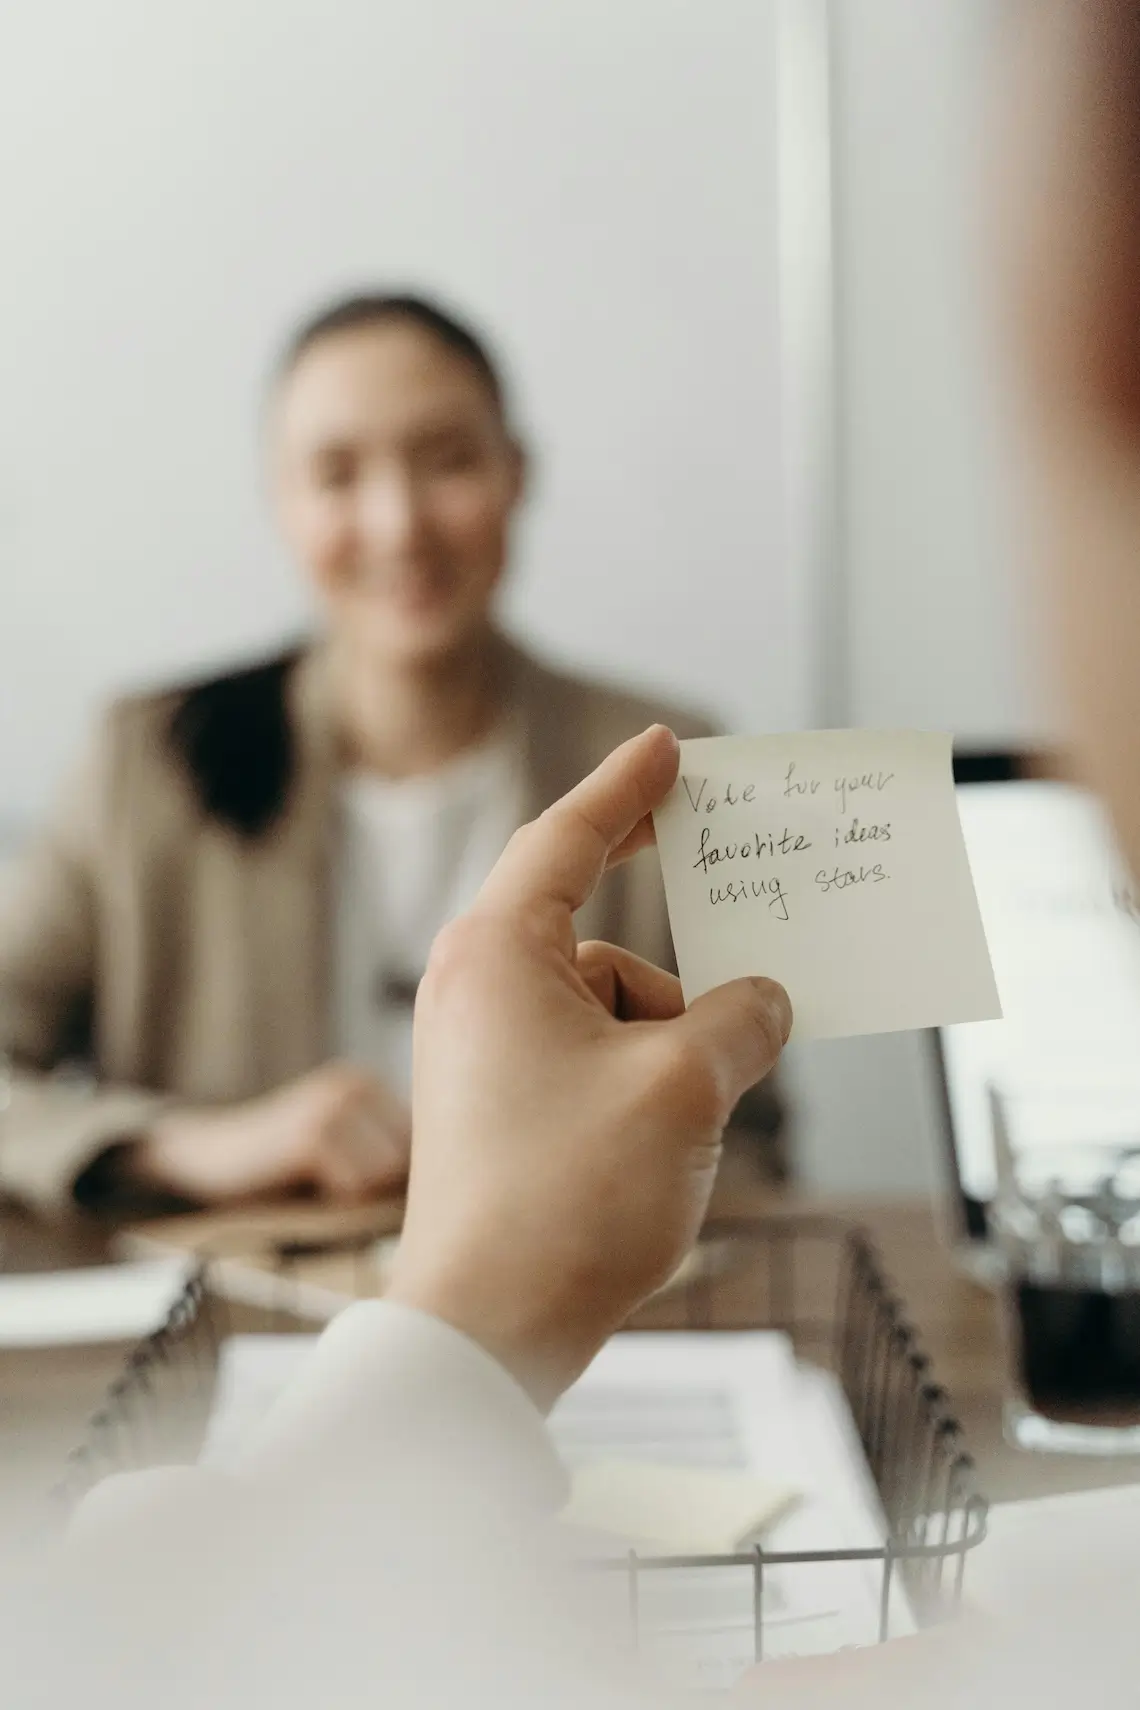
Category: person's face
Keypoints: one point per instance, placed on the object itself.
(396, 483)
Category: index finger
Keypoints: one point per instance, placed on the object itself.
(557, 860)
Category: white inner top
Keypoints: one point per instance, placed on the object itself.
(413, 854)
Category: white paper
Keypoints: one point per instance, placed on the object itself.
(103, 1303)
(679, 1399)
(738, 1403)
(678, 1511)
(832, 861)
(1034, 1549)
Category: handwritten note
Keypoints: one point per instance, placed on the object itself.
(832, 861)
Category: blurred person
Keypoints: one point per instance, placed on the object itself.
(520, 1259)
(227, 918)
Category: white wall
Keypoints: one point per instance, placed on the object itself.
(595, 180)
(928, 506)
(928, 528)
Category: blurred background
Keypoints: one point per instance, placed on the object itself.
(729, 251)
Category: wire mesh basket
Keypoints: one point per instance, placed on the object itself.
(817, 1279)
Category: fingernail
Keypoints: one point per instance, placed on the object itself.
(663, 730)
(779, 1003)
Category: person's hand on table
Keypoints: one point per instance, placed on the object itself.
(568, 1110)
(336, 1130)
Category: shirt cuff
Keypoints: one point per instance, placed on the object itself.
(386, 1379)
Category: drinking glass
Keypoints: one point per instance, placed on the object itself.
(1066, 1223)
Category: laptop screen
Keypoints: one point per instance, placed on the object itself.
(1063, 929)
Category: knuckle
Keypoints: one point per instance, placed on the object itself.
(345, 1098)
(593, 951)
(446, 958)
(692, 1085)
(338, 1078)
(581, 825)
(598, 966)
(459, 948)
(523, 835)
(324, 1132)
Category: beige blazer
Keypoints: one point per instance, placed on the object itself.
(184, 963)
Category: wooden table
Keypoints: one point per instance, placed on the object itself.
(46, 1397)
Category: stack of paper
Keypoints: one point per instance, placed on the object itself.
(736, 1407)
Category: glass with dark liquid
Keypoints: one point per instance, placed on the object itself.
(1067, 1225)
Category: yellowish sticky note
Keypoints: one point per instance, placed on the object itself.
(834, 862)
(677, 1511)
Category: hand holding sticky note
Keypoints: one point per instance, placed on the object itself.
(834, 862)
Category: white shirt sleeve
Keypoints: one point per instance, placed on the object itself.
(388, 1390)
(385, 1376)
(387, 1538)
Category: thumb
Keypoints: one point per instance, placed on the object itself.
(741, 1028)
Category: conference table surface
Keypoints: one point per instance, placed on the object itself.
(47, 1395)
